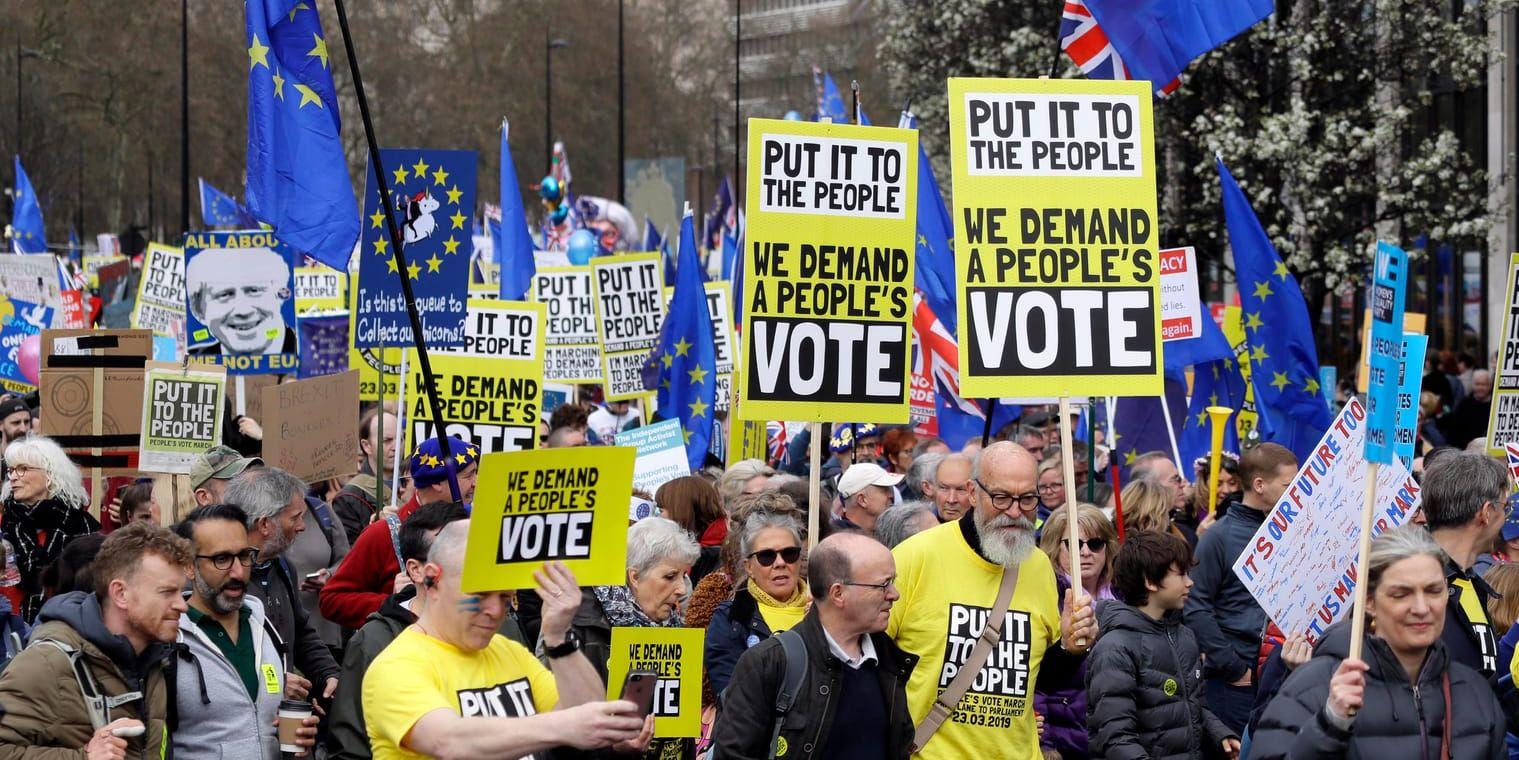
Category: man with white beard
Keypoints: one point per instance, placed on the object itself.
(949, 578)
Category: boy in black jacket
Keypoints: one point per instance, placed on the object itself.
(1144, 697)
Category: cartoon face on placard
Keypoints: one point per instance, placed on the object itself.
(240, 302)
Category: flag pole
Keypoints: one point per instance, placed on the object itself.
(400, 257)
(986, 427)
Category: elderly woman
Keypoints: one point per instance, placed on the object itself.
(44, 509)
(903, 521)
(1063, 701)
(773, 599)
(660, 554)
(1404, 697)
(745, 477)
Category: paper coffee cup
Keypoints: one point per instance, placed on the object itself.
(293, 715)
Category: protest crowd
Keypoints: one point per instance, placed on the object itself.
(836, 474)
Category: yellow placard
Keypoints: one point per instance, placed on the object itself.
(1234, 330)
(160, 304)
(319, 289)
(94, 261)
(1058, 278)
(1503, 421)
(630, 309)
(1412, 322)
(491, 388)
(747, 439)
(674, 655)
(379, 369)
(566, 505)
(827, 331)
(572, 352)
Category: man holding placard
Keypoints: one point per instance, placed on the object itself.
(425, 695)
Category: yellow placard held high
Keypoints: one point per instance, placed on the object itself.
(674, 657)
(564, 505)
(630, 309)
(828, 276)
(1055, 237)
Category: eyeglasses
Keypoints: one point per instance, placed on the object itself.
(888, 583)
(1003, 501)
(223, 561)
(18, 470)
(766, 557)
(1051, 487)
(1092, 544)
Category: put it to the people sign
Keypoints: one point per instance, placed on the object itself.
(828, 271)
(1055, 237)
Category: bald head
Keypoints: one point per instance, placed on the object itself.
(1004, 457)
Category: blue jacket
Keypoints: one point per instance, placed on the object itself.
(1221, 612)
(736, 627)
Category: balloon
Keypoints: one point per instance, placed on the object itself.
(557, 216)
(582, 246)
(793, 116)
(29, 358)
(549, 190)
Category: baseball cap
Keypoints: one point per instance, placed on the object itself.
(9, 405)
(1511, 525)
(220, 462)
(857, 477)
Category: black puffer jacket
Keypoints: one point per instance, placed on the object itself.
(1398, 719)
(1144, 698)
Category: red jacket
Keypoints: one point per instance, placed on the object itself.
(366, 577)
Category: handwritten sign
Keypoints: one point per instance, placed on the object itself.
(309, 427)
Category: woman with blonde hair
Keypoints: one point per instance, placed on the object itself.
(44, 509)
(1147, 505)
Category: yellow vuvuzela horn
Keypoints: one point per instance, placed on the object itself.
(1220, 417)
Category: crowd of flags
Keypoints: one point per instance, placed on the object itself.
(298, 185)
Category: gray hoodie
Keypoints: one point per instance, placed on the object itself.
(217, 719)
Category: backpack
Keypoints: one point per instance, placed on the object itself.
(796, 672)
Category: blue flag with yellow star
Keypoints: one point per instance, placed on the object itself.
(934, 258)
(1284, 362)
(432, 198)
(221, 211)
(28, 234)
(1139, 425)
(1216, 381)
(514, 245)
(686, 357)
(297, 174)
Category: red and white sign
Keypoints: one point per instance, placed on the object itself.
(1181, 309)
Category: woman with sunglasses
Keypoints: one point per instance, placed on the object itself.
(1063, 702)
(772, 599)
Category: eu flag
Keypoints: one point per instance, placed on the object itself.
(514, 246)
(934, 267)
(1158, 38)
(1216, 381)
(27, 232)
(221, 211)
(1140, 423)
(1284, 365)
(720, 218)
(686, 357)
(297, 175)
(830, 102)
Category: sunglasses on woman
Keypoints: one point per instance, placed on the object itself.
(766, 557)
(1092, 544)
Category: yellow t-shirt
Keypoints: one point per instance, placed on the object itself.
(947, 590)
(417, 674)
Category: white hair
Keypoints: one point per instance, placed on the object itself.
(657, 539)
(64, 482)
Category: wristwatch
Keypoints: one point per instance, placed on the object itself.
(569, 646)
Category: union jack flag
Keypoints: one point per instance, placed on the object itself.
(1088, 47)
(939, 355)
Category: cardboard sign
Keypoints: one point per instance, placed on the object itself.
(94, 262)
(91, 395)
(21, 320)
(181, 415)
(1056, 237)
(1503, 423)
(160, 303)
(675, 655)
(492, 387)
(828, 272)
(747, 439)
(240, 302)
(310, 429)
(1410, 375)
(319, 289)
(246, 394)
(560, 505)
(1301, 563)
(1388, 283)
(630, 309)
(661, 454)
(32, 278)
(1413, 322)
(1181, 305)
(572, 349)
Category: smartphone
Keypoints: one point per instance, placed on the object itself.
(638, 688)
(313, 576)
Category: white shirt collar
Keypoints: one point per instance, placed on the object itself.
(867, 651)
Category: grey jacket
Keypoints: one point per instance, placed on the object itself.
(1398, 719)
(216, 717)
(1144, 696)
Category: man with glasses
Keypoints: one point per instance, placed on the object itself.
(229, 667)
(1157, 467)
(949, 577)
(856, 676)
(952, 487)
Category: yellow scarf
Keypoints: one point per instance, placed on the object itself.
(781, 615)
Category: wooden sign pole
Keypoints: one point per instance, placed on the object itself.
(1073, 527)
(814, 482)
(1358, 612)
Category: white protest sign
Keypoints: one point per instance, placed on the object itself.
(320, 289)
(720, 309)
(1503, 422)
(661, 454)
(572, 349)
(181, 415)
(160, 303)
(32, 278)
(1181, 306)
(630, 309)
(1301, 563)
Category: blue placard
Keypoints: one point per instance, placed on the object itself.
(432, 199)
(21, 319)
(1388, 283)
(1410, 375)
(324, 345)
(240, 302)
(1329, 384)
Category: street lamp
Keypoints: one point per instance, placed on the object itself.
(549, 45)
